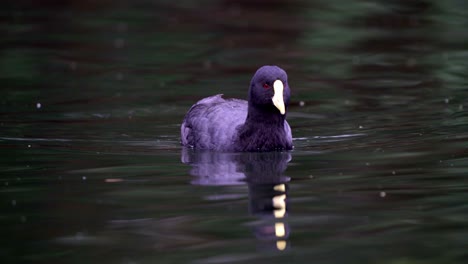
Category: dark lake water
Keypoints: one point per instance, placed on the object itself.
(93, 94)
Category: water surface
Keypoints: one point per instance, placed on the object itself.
(93, 95)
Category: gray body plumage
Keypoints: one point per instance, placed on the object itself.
(214, 123)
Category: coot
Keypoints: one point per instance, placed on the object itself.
(220, 124)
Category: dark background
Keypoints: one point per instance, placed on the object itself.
(93, 94)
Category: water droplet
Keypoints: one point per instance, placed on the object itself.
(207, 64)
(122, 27)
(411, 62)
(113, 180)
(119, 76)
(383, 194)
(29, 146)
(84, 178)
(447, 100)
(460, 107)
(311, 176)
(301, 103)
(79, 236)
(38, 105)
(393, 172)
(367, 163)
(73, 65)
(119, 43)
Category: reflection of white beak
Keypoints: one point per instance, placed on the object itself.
(277, 99)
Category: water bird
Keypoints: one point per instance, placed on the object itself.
(259, 124)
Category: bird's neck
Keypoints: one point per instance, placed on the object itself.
(266, 117)
(263, 130)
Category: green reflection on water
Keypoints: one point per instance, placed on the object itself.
(95, 173)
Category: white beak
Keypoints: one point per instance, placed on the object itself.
(277, 99)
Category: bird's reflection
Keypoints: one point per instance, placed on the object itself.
(263, 172)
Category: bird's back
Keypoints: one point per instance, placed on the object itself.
(212, 123)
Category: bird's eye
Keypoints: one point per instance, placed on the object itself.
(266, 86)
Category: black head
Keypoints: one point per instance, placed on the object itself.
(269, 89)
